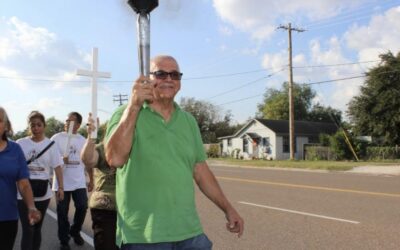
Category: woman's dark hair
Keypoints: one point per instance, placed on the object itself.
(8, 132)
(36, 115)
(77, 115)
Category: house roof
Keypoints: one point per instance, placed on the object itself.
(253, 135)
(300, 127)
(282, 127)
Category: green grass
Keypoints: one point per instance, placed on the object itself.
(325, 165)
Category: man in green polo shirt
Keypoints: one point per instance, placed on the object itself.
(158, 150)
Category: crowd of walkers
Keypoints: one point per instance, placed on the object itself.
(26, 167)
(141, 177)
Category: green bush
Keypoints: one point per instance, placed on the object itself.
(213, 151)
(324, 139)
(318, 153)
(340, 147)
(360, 147)
(312, 154)
(235, 153)
(382, 153)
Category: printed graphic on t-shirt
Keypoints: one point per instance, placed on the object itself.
(33, 169)
(73, 156)
(32, 154)
(36, 170)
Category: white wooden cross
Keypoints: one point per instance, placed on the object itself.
(94, 74)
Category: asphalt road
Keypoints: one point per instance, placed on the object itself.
(285, 209)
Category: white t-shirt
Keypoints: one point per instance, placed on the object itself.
(74, 171)
(41, 167)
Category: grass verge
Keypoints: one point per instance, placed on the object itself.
(325, 165)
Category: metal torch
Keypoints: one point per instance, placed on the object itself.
(143, 9)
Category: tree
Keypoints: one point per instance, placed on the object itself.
(101, 132)
(320, 113)
(208, 117)
(276, 102)
(53, 126)
(375, 111)
(275, 105)
(20, 134)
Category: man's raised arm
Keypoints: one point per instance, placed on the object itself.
(121, 130)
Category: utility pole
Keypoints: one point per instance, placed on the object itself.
(120, 98)
(291, 98)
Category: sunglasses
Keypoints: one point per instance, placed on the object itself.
(162, 75)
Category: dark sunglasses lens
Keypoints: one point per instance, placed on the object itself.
(175, 75)
(161, 75)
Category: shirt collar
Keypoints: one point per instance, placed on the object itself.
(147, 106)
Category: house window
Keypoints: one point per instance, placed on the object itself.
(265, 141)
(266, 144)
(286, 144)
(245, 145)
(229, 142)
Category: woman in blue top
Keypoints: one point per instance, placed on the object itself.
(13, 174)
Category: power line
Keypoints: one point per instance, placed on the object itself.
(351, 15)
(192, 78)
(334, 65)
(55, 80)
(335, 80)
(224, 75)
(312, 83)
(246, 84)
(39, 80)
(346, 13)
(350, 77)
(239, 100)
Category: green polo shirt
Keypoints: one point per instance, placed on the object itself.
(155, 191)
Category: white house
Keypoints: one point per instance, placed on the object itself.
(269, 139)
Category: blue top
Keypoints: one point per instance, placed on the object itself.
(12, 169)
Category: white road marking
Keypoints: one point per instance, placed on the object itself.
(298, 212)
(85, 237)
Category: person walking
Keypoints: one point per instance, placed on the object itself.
(70, 146)
(42, 158)
(158, 151)
(14, 174)
(102, 200)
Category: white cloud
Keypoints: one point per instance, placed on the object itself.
(35, 52)
(48, 103)
(21, 84)
(379, 36)
(259, 18)
(6, 48)
(249, 51)
(32, 41)
(225, 30)
(331, 52)
(275, 62)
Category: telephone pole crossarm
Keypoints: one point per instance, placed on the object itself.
(120, 98)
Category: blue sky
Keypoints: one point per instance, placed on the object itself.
(229, 50)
